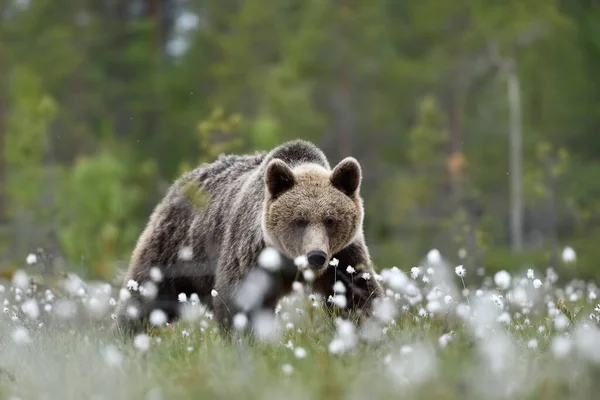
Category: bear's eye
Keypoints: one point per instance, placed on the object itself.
(301, 222)
(329, 222)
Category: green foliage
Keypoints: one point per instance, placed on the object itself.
(415, 90)
(99, 198)
(32, 111)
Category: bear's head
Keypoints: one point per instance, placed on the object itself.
(312, 211)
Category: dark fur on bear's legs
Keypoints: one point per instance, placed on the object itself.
(360, 290)
(277, 284)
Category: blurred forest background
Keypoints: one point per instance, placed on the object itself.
(477, 122)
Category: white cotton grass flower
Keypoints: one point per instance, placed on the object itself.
(414, 272)
(20, 280)
(568, 255)
(156, 274)
(561, 322)
(339, 287)
(132, 312)
(20, 336)
(561, 346)
(413, 365)
(350, 269)
(460, 271)
(530, 274)
(240, 321)
(192, 311)
(64, 309)
(334, 262)
(585, 340)
(112, 356)
(214, 293)
(142, 342)
(532, 344)
(371, 330)
(340, 300)
(308, 275)
(265, 326)
(299, 352)
(287, 369)
(345, 337)
(124, 294)
(445, 339)
(253, 290)
(31, 259)
(97, 306)
(385, 309)
(182, 298)
(502, 279)
(537, 283)
(270, 259)
(297, 287)
(132, 284)
(149, 290)
(31, 309)
(158, 317)
(395, 279)
(186, 253)
(301, 262)
(434, 256)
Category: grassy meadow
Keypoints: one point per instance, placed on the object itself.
(441, 332)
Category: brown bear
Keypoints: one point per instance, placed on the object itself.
(288, 199)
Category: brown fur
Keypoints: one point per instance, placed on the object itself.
(288, 198)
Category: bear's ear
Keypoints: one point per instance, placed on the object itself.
(279, 177)
(346, 176)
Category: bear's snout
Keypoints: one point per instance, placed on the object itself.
(316, 258)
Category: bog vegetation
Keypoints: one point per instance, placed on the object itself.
(513, 336)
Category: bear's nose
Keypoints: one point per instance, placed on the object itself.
(316, 258)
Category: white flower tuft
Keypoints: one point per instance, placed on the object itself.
(156, 274)
(287, 369)
(112, 356)
(434, 256)
(20, 280)
(568, 255)
(158, 317)
(185, 253)
(240, 321)
(20, 336)
(502, 279)
(299, 352)
(31, 259)
(339, 287)
(142, 342)
(270, 259)
(31, 309)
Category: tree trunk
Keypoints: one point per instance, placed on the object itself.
(515, 146)
(2, 162)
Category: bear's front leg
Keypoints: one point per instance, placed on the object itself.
(355, 272)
